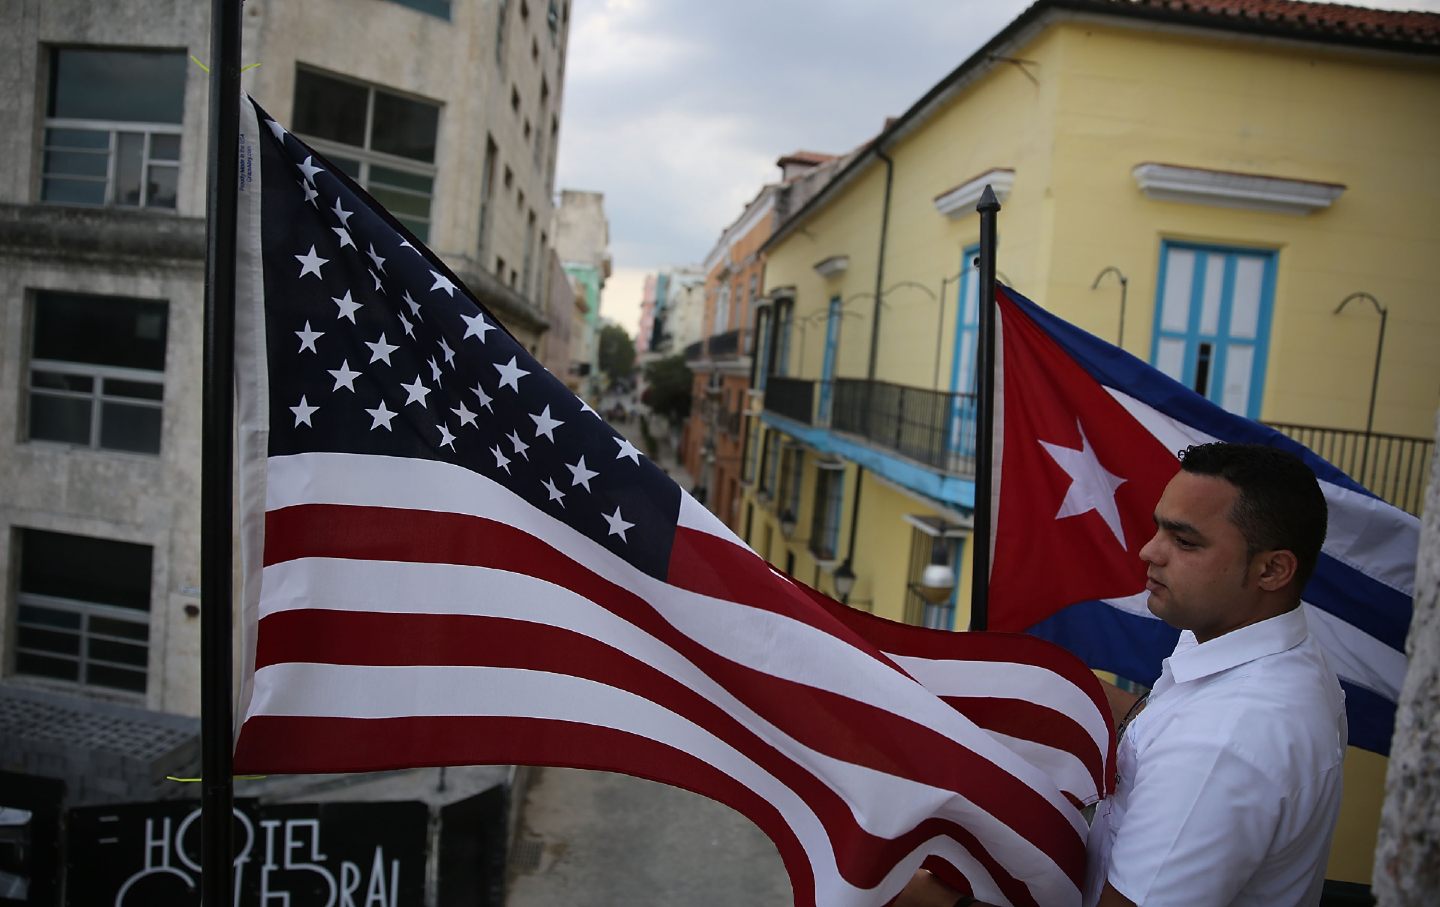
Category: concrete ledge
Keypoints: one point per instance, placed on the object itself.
(67, 233)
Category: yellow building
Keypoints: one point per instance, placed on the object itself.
(1205, 185)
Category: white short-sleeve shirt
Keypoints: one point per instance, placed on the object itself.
(1229, 779)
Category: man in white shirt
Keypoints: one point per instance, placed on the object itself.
(1230, 770)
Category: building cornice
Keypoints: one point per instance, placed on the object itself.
(959, 201)
(1226, 189)
(747, 221)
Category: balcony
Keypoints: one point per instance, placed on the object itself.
(695, 351)
(1394, 467)
(720, 347)
(793, 398)
(932, 427)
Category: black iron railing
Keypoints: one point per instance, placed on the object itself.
(793, 398)
(934, 427)
(695, 351)
(724, 346)
(1394, 467)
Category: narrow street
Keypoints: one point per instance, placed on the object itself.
(595, 839)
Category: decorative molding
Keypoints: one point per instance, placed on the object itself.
(1253, 191)
(833, 266)
(960, 200)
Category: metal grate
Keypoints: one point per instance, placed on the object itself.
(525, 855)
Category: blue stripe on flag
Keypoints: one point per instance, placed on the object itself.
(1108, 639)
(1361, 601)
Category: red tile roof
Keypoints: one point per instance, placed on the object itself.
(1403, 27)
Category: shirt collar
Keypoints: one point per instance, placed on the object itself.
(1193, 661)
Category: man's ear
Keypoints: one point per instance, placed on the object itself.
(1277, 569)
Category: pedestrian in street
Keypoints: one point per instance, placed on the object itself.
(1229, 775)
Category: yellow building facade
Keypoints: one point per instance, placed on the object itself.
(1231, 181)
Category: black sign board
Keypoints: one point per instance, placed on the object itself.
(295, 855)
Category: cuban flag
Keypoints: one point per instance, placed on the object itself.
(1087, 436)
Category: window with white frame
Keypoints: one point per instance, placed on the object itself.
(825, 520)
(722, 310)
(97, 371)
(112, 127)
(384, 141)
(83, 610)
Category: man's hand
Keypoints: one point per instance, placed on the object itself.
(925, 890)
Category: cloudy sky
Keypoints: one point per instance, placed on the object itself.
(678, 109)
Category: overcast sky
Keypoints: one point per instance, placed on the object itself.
(678, 109)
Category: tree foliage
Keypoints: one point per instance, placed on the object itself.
(617, 352)
(667, 390)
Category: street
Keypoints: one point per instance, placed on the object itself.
(595, 839)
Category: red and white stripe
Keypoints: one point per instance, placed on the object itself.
(410, 612)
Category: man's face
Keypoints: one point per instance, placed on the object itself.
(1198, 572)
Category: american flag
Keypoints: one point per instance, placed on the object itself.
(449, 558)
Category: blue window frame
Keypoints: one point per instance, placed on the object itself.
(827, 367)
(762, 347)
(1212, 321)
(786, 314)
(961, 439)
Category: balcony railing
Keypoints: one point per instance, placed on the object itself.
(933, 427)
(724, 346)
(1392, 466)
(695, 351)
(793, 398)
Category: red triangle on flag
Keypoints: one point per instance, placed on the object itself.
(1078, 478)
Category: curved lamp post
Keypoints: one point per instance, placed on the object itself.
(1375, 380)
(1124, 286)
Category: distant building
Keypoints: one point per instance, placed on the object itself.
(720, 357)
(447, 111)
(582, 240)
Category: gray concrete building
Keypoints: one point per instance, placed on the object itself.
(447, 111)
(582, 240)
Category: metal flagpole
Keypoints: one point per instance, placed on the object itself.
(217, 459)
(988, 207)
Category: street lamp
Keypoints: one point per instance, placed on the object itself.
(1124, 285)
(1375, 381)
(937, 580)
(787, 522)
(844, 580)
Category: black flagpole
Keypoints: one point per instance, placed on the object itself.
(988, 207)
(217, 460)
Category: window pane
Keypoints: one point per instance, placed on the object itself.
(129, 427)
(161, 188)
(46, 666)
(1245, 301)
(1171, 359)
(49, 617)
(400, 179)
(124, 629)
(401, 203)
(57, 642)
(136, 390)
(121, 653)
(101, 330)
(72, 192)
(116, 678)
(78, 163)
(349, 165)
(63, 419)
(78, 138)
(85, 568)
(134, 85)
(82, 384)
(1210, 297)
(1175, 304)
(129, 161)
(439, 8)
(404, 127)
(164, 147)
(417, 227)
(1239, 363)
(329, 108)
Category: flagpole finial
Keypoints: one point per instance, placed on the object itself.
(988, 202)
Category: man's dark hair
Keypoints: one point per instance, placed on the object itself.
(1280, 503)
